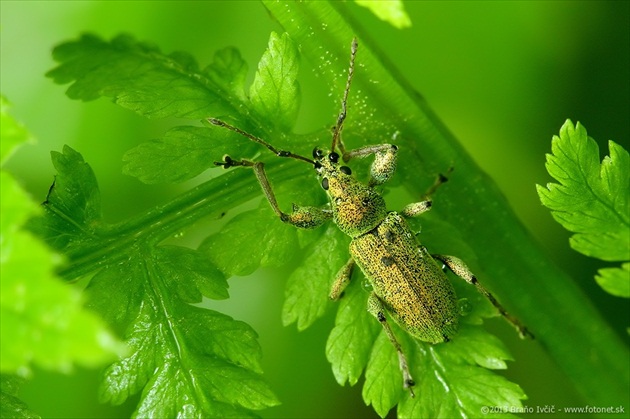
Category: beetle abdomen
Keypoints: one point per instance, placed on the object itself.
(411, 285)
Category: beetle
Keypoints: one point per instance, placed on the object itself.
(408, 283)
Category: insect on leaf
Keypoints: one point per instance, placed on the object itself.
(357, 344)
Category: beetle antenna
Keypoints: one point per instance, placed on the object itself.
(336, 141)
(279, 153)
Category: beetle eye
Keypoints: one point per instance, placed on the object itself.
(346, 170)
(325, 183)
(317, 153)
(333, 157)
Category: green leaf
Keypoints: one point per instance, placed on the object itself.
(350, 341)
(183, 153)
(184, 360)
(11, 131)
(391, 11)
(483, 206)
(42, 321)
(591, 199)
(229, 70)
(139, 77)
(187, 360)
(515, 268)
(73, 204)
(306, 295)
(453, 379)
(383, 386)
(190, 274)
(10, 405)
(258, 234)
(357, 343)
(615, 281)
(275, 92)
(453, 387)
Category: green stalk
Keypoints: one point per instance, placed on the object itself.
(209, 199)
(514, 266)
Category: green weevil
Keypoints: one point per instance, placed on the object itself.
(408, 283)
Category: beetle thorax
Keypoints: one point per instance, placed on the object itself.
(357, 208)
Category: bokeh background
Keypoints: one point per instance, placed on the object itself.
(503, 76)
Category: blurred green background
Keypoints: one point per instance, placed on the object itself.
(503, 76)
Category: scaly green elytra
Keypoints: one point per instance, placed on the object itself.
(408, 283)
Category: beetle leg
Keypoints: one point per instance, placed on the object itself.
(384, 164)
(342, 280)
(375, 308)
(459, 268)
(438, 182)
(417, 208)
(302, 217)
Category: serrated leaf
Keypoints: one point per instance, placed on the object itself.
(383, 386)
(73, 205)
(274, 92)
(353, 346)
(591, 200)
(350, 341)
(183, 153)
(477, 348)
(307, 292)
(137, 76)
(184, 360)
(190, 274)
(229, 70)
(187, 361)
(115, 284)
(259, 234)
(615, 281)
(16, 209)
(451, 385)
(391, 11)
(307, 289)
(42, 320)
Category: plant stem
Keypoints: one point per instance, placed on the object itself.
(211, 198)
